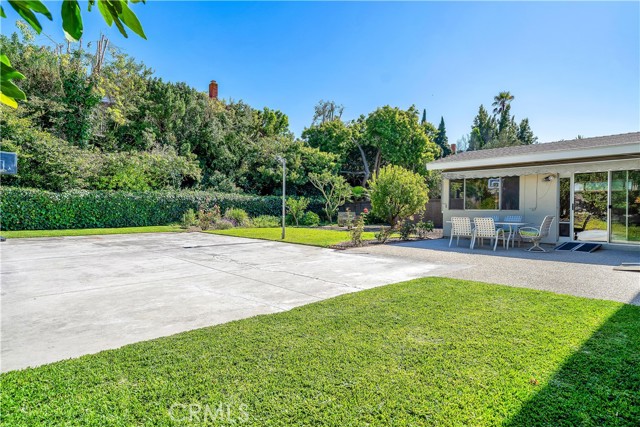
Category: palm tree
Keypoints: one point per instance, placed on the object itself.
(501, 101)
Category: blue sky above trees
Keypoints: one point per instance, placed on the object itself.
(574, 68)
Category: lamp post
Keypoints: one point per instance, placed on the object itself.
(284, 189)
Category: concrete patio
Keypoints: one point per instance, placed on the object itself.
(581, 274)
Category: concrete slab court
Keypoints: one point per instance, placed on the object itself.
(69, 296)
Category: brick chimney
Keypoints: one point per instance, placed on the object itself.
(453, 148)
(213, 90)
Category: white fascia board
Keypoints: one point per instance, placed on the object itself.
(595, 153)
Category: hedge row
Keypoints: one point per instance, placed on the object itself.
(30, 209)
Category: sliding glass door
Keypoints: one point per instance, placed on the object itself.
(606, 207)
(590, 195)
(625, 206)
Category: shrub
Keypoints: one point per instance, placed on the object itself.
(222, 224)
(238, 217)
(30, 209)
(358, 193)
(205, 219)
(310, 219)
(406, 230)
(358, 229)
(188, 219)
(334, 189)
(383, 235)
(424, 227)
(296, 208)
(266, 221)
(397, 194)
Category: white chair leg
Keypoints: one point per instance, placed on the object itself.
(451, 240)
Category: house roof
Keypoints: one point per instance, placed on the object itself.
(584, 148)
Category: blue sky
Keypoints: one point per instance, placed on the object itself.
(574, 68)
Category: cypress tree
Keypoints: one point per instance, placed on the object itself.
(442, 140)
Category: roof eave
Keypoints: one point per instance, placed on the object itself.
(593, 152)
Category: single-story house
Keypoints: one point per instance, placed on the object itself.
(590, 185)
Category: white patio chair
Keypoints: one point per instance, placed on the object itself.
(460, 227)
(513, 229)
(486, 227)
(535, 235)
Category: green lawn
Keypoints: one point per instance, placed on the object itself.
(89, 231)
(305, 236)
(431, 351)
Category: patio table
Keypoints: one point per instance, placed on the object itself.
(512, 230)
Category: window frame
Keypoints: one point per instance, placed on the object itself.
(464, 195)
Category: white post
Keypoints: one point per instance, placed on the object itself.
(284, 189)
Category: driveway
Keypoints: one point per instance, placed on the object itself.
(70, 296)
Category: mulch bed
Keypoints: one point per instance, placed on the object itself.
(435, 234)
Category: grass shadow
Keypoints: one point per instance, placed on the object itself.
(599, 385)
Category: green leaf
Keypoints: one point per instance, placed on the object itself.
(120, 26)
(38, 7)
(8, 101)
(8, 88)
(131, 20)
(26, 14)
(104, 11)
(71, 20)
(7, 71)
(2, 14)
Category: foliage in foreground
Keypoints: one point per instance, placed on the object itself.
(29, 209)
(426, 352)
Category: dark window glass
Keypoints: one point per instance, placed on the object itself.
(510, 193)
(482, 193)
(456, 194)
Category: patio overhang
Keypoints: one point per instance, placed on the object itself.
(577, 165)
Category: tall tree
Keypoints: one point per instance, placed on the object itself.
(326, 111)
(424, 116)
(442, 140)
(483, 130)
(501, 101)
(399, 139)
(525, 134)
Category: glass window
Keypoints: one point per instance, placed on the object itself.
(482, 193)
(456, 194)
(510, 193)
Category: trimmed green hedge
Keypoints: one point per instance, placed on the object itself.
(31, 209)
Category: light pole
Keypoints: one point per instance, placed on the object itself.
(284, 189)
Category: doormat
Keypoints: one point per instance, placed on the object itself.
(567, 246)
(579, 247)
(588, 247)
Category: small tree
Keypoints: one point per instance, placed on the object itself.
(334, 189)
(297, 207)
(397, 194)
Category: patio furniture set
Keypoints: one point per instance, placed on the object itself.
(508, 230)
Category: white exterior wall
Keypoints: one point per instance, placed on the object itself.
(535, 204)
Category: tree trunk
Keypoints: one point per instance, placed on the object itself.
(376, 167)
(365, 164)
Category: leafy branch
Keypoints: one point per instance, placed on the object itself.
(113, 12)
